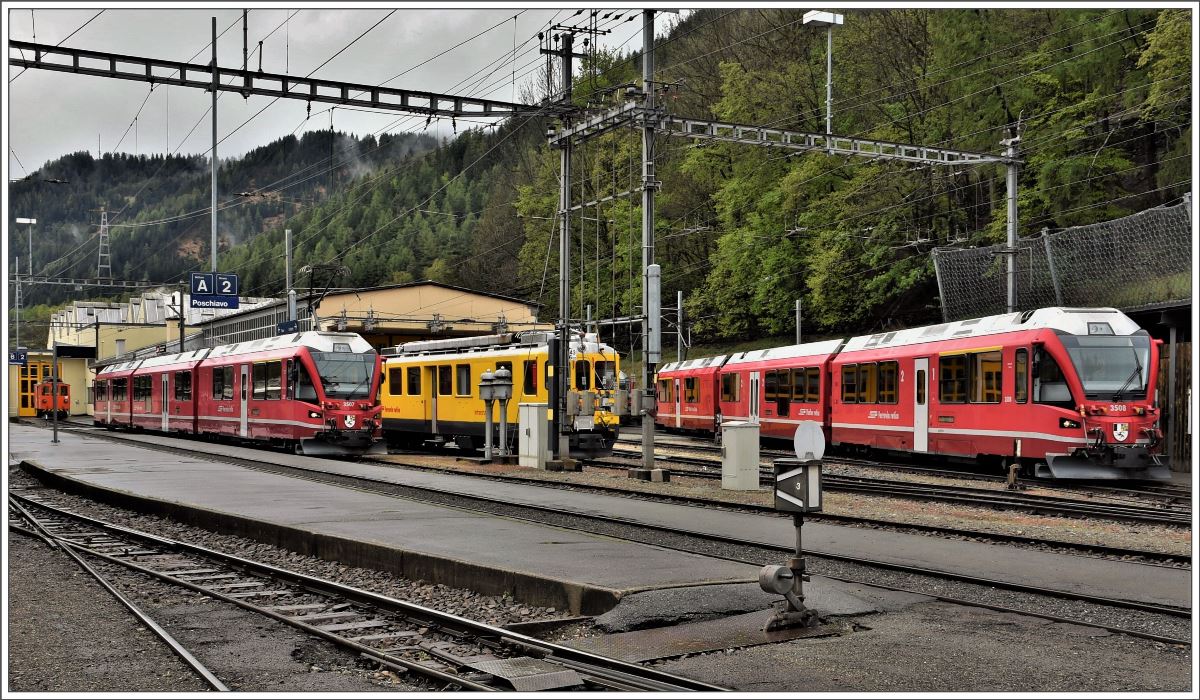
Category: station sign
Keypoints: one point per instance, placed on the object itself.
(18, 357)
(285, 327)
(214, 290)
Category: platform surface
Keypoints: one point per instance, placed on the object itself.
(1085, 575)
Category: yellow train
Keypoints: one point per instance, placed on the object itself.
(430, 389)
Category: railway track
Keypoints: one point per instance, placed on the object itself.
(461, 653)
(589, 522)
(1049, 505)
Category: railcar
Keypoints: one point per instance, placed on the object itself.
(431, 393)
(314, 392)
(1066, 393)
(44, 398)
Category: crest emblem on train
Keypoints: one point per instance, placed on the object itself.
(1120, 431)
(350, 419)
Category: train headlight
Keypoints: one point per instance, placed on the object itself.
(1067, 423)
(314, 414)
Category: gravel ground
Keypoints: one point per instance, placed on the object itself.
(1148, 537)
(924, 648)
(75, 637)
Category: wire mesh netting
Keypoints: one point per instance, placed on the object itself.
(1135, 262)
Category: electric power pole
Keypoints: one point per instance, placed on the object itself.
(651, 325)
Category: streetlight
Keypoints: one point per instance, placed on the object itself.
(827, 20)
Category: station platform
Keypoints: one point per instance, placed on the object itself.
(515, 547)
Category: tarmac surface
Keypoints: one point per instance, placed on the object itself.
(491, 543)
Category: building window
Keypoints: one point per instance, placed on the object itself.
(691, 392)
(445, 380)
(414, 381)
(849, 383)
(731, 387)
(464, 379)
(529, 384)
(888, 371)
(395, 381)
(952, 379)
(1022, 375)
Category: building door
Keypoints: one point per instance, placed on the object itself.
(27, 381)
(244, 398)
(921, 404)
(754, 397)
(165, 403)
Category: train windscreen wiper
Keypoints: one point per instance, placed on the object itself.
(1137, 372)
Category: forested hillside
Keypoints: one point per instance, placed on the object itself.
(1102, 98)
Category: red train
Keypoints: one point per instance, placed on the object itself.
(314, 392)
(1067, 393)
(44, 400)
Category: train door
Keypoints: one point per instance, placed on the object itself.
(921, 404)
(165, 403)
(243, 398)
(108, 394)
(754, 397)
(678, 405)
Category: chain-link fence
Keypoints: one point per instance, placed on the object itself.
(1135, 262)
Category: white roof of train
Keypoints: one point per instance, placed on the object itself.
(1073, 321)
(786, 352)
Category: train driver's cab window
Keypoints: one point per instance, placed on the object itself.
(529, 378)
(1049, 383)
(606, 374)
(414, 381)
(691, 390)
(302, 388)
(731, 387)
(445, 380)
(583, 375)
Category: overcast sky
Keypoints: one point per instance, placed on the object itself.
(52, 113)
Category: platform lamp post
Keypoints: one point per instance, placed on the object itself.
(828, 20)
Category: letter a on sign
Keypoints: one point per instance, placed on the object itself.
(202, 283)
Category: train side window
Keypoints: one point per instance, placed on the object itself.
(952, 379)
(1021, 370)
(868, 382)
(259, 377)
(731, 387)
(814, 384)
(799, 385)
(920, 387)
(183, 386)
(395, 381)
(274, 372)
(218, 383)
(771, 386)
(849, 383)
(691, 394)
(463, 373)
(445, 380)
(414, 381)
(529, 382)
(664, 391)
(583, 375)
(888, 371)
(227, 390)
(120, 389)
(508, 366)
(986, 375)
